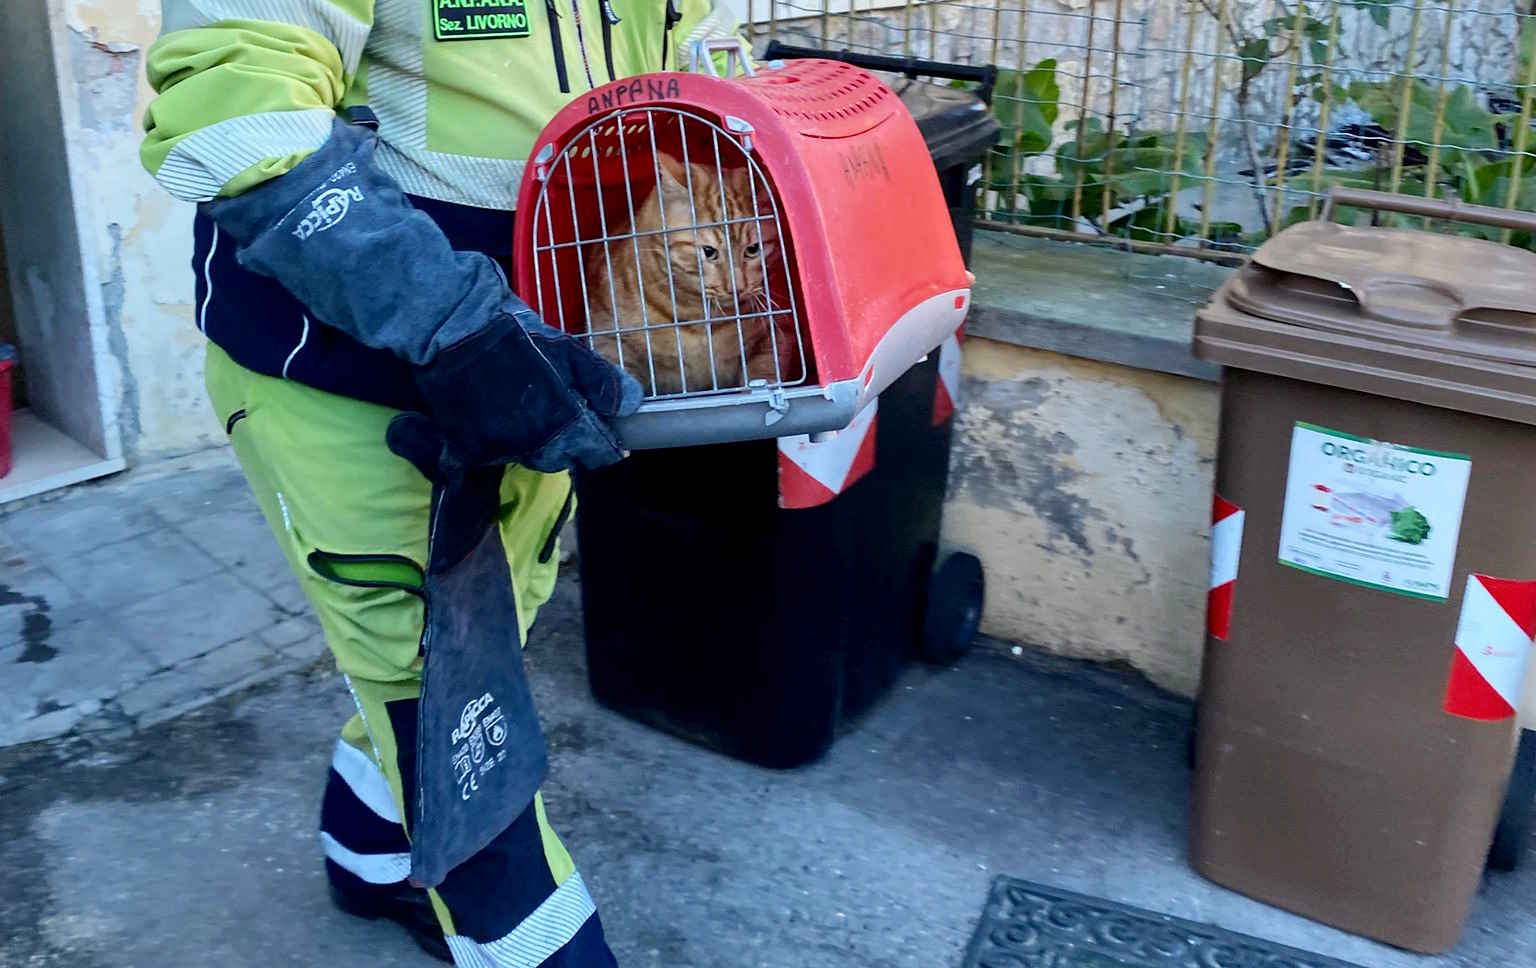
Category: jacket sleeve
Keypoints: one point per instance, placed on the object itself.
(246, 124)
(704, 20)
(246, 89)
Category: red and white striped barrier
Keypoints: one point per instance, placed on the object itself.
(1226, 548)
(946, 394)
(813, 473)
(1493, 648)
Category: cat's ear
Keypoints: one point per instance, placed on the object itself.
(705, 175)
(673, 174)
(746, 185)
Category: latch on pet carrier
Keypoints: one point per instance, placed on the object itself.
(764, 253)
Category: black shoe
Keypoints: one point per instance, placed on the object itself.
(407, 906)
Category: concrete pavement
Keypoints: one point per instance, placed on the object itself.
(193, 842)
(132, 601)
(155, 635)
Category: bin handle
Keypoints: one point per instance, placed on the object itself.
(1451, 210)
(701, 57)
(911, 67)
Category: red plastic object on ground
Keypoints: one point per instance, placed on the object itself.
(876, 280)
(7, 361)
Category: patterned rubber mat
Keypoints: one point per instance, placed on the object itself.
(1029, 925)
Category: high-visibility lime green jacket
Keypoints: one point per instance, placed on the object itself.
(461, 88)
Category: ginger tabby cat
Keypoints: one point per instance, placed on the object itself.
(715, 268)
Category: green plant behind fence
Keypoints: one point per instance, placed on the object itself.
(1434, 139)
(1256, 90)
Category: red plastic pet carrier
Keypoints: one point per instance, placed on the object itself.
(765, 253)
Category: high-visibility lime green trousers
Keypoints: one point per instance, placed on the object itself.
(336, 497)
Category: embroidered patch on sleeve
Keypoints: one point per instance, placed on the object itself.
(479, 19)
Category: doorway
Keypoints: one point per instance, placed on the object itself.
(62, 429)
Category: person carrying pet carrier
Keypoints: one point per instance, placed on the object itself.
(405, 422)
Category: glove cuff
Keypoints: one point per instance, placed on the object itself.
(344, 240)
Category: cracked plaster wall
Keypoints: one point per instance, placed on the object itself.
(1086, 490)
(139, 236)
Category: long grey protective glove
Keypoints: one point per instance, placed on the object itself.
(500, 385)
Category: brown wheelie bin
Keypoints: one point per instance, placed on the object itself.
(1374, 488)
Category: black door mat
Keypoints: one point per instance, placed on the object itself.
(1029, 925)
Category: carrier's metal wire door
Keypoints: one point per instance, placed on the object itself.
(658, 240)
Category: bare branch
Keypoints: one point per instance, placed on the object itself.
(1250, 141)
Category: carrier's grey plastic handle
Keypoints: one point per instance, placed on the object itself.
(750, 416)
(701, 57)
(1455, 211)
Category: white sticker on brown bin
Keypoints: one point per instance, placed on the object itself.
(1375, 514)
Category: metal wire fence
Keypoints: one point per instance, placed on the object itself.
(1207, 125)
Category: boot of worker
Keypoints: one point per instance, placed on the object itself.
(410, 907)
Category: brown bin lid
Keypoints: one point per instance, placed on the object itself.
(1439, 319)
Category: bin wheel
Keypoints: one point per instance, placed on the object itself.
(1513, 833)
(953, 616)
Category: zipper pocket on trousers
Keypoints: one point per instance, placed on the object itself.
(557, 46)
(369, 571)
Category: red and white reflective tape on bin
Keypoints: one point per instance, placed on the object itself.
(946, 394)
(1226, 548)
(812, 473)
(1493, 648)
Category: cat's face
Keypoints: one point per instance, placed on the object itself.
(716, 241)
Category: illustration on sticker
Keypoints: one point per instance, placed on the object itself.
(1366, 511)
(1372, 513)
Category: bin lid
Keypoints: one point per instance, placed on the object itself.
(1439, 319)
(953, 122)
